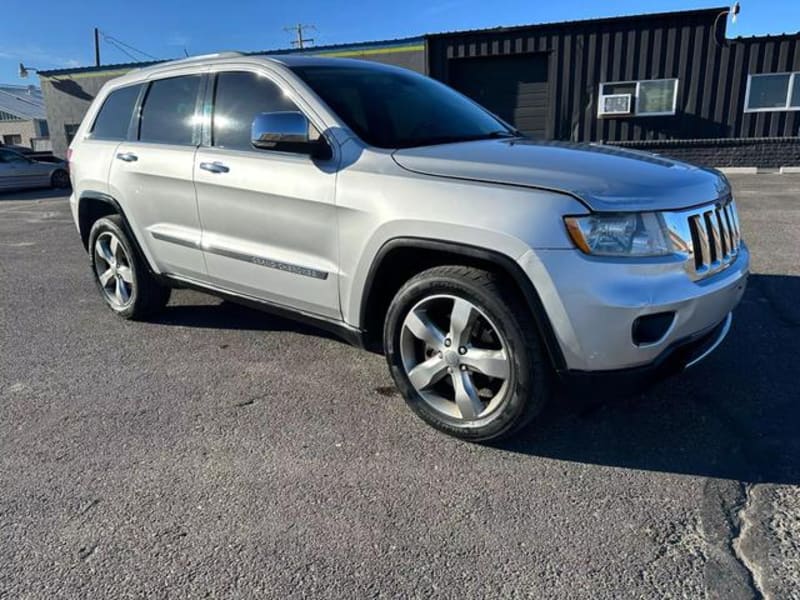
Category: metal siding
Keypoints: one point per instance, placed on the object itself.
(712, 76)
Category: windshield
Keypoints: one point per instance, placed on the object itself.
(399, 109)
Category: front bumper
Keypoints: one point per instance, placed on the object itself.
(593, 303)
(680, 356)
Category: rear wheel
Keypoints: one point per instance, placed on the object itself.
(463, 350)
(60, 179)
(127, 286)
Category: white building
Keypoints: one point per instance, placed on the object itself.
(23, 119)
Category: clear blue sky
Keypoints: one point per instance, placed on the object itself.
(58, 33)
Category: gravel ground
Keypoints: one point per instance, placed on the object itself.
(223, 452)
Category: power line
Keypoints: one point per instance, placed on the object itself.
(121, 49)
(121, 46)
(300, 41)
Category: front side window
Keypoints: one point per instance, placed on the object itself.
(115, 116)
(399, 109)
(648, 97)
(168, 113)
(773, 91)
(238, 97)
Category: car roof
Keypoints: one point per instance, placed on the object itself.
(234, 58)
(293, 60)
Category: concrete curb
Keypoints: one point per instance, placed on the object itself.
(738, 170)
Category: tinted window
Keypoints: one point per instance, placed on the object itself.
(795, 100)
(238, 98)
(398, 109)
(113, 119)
(768, 91)
(169, 109)
(9, 156)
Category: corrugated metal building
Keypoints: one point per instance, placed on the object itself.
(687, 84)
(667, 82)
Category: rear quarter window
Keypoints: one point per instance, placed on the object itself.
(115, 115)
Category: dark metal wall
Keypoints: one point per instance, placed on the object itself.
(691, 46)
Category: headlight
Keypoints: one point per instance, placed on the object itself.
(620, 234)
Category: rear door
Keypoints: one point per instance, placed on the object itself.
(269, 219)
(151, 175)
(93, 154)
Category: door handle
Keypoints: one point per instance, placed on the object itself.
(127, 156)
(214, 167)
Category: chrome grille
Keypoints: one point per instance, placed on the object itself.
(708, 236)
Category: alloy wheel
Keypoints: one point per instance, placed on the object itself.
(455, 357)
(61, 179)
(112, 266)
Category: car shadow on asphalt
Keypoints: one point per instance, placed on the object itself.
(229, 315)
(734, 416)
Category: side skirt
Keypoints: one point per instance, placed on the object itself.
(349, 334)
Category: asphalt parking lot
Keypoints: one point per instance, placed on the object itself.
(223, 452)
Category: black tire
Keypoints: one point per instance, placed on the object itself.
(147, 295)
(60, 179)
(530, 377)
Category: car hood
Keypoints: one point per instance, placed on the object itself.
(605, 178)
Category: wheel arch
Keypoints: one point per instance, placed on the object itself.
(96, 205)
(401, 258)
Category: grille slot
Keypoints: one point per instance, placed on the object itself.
(715, 238)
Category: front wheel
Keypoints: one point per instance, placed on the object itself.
(463, 350)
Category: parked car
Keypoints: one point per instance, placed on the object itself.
(18, 172)
(17, 148)
(387, 207)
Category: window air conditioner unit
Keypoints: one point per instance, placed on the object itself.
(615, 104)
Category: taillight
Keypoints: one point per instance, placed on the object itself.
(69, 156)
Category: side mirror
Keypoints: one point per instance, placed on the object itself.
(286, 131)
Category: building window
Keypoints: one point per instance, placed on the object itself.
(70, 129)
(772, 91)
(13, 139)
(645, 98)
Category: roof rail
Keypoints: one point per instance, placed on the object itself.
(201, 57)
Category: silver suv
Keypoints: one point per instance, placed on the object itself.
(387, 207)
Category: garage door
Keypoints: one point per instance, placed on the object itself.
(512, 87)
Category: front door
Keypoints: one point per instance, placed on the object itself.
(269, 218)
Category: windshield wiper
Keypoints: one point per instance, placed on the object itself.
(503, 133)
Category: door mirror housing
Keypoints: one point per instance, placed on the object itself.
(286, 131)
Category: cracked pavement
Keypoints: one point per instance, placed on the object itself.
(220, 451)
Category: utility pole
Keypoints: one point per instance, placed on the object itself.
(96, 47)
(298, 29)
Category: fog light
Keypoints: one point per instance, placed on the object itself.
(649, 329)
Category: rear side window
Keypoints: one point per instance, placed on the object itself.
(115, 116)
(169, 110)
(238, 98)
